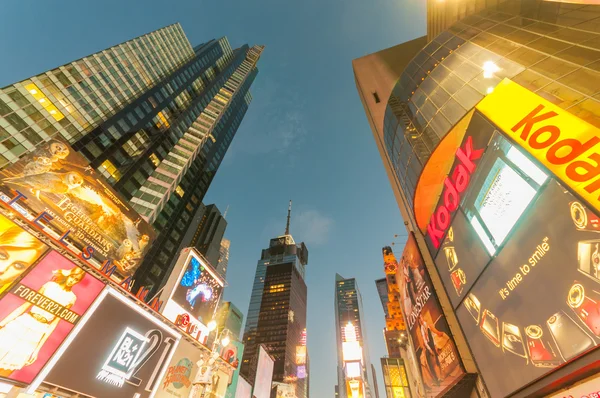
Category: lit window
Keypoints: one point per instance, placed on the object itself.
(154, 159)
(179, 191)
(109, 170)
(44, 101)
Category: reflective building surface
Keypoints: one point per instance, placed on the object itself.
(154, 115)
(277, 313)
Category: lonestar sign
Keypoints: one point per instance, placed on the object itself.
(455, 184)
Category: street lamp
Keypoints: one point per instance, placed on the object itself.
(209, 364)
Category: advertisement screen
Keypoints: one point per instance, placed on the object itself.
(122, 351)
(285, 390)
(537, 304)
(244, 389)
(232, 354)
(180, 373)
(19, 250)
(520, 257)
(434, 347)
(38, 312)
(264, 374)
(55, 185)
(199, 290)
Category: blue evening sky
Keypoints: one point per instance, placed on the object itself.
(305, 136)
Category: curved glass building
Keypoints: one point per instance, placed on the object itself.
(490, 135)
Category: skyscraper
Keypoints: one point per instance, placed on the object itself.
(209, 233)
(223, 257)
(277, 312)
(354, 366)
(154, 115)
(231, 318)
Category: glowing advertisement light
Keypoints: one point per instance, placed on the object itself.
(126, 351)
(38, 312)
(351, 351)
(60, 195)
(353, 369)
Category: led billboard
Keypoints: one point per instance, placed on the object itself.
(519, 257)
(121, 351)
(56, 190)
(19, 250)
(434, 347)
(264, 374)
(39, 311)
(232, 354)
(199, 289)
(180, 373)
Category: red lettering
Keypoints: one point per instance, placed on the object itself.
(581, 170)
(442, 216)
(534, 141)
(528, 121)
(466, 155)
(575, 147)
(451, 198)
(461, 178)
(435, 234)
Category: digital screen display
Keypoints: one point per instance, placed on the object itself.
(122, 351)
(520, 263)
(199, 290)
(38, 312)
(77, 205)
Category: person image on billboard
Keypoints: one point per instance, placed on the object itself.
(18, 251)
(24, 331)
(430, 350)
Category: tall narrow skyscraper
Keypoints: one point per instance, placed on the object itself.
(277, 312)
(154, 115)
(355, 374)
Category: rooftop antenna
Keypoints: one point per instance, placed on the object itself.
(226, 210)
(287, 226)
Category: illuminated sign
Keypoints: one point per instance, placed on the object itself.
(300, 355)
(353, 369)
(38, 313)
(59, 194)
(435, 350)
(563, 143)
(177, 382)
(120, 364)
(196, 288)
(185, 321)
(301, 372)
(351, 351)
(130, 347)
(244, 389)
(587, 389)
(454, 185)
(354, 388)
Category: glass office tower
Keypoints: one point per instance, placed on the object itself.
(277, 313)
(354, 366)
(154, 115)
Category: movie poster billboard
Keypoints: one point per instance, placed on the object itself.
(19, 250)
(181, 371)
(121, 351)
(199, 289)
(264, 374)
(434, 347)
(39, 311)
(55, 189)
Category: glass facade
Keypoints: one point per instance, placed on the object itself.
(552, 49)
(394, 378)
(348, 309)
(154, 115)
(277, 313)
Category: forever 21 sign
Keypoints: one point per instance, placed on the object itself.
(455, 184)
(119, 353)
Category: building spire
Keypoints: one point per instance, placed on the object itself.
(226, 210)
(287, 225)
